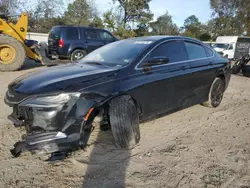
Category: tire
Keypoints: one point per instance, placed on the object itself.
(77, 55)
(124, 121)
(246, 71)
(20, 54)
(215, 93)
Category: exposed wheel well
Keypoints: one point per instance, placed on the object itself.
(222, 77)
(77, 49)
(106, 103)
(104, 107)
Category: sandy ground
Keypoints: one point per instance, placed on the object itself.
(195, 147)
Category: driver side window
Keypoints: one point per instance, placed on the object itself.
(172, 50)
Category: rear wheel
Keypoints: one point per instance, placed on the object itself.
(124, 121)
(77, 55)
(12, 53)
(215, 94)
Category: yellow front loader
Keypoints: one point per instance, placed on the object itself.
(14, 47)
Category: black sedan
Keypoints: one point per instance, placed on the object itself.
(128, 81)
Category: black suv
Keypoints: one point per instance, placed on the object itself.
(74, 42)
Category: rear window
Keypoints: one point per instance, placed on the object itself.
(195, 51)
(210, 53)
(55, 33)
(106, 36)
(67, 33)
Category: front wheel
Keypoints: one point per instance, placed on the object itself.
(12, 53)
(215, 94)
(77, 55)
(124, 121)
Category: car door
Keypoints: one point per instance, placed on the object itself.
(92, 40)
(106, 37)
(202, 70)
(166, 85)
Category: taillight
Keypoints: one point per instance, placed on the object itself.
(61, 43)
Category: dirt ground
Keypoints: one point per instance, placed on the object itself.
(195, 147)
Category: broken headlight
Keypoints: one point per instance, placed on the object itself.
(49, 101)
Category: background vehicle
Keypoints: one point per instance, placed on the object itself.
(144, 78)
(74, 42)
(232, 47)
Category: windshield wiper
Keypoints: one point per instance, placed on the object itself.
(93, 62)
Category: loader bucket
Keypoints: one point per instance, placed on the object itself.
(42, 50)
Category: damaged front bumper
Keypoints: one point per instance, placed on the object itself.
(52, 127)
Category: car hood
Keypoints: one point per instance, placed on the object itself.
(63, 77)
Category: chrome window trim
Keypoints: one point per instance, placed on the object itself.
(187, 61)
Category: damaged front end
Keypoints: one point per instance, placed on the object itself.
(55, 123)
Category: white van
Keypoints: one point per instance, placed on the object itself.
(232, 47)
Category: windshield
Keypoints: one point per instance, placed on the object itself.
(223, 46)
(119, 53)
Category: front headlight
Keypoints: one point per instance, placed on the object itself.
(49, 101)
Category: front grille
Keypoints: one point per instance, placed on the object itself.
(13, 97)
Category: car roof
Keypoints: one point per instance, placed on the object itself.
(68, 26)
(163, 37)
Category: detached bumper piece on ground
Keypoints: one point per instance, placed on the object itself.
(56, 143)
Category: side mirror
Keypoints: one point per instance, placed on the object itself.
(147, 67)
(157, 61)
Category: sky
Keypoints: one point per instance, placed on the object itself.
(178, 9)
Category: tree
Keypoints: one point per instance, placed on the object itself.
(112, 21)
(8, 6)
(195, 29)
(142, 30)
(44, 15)
(79, 12)
(124, 33)
(223, 8)
(164, 25)
(192, 27)
(96, 22)
(109, 20)
(205, 37)
(191, 21)
(134, 11)
(231, 17)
